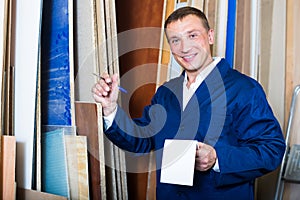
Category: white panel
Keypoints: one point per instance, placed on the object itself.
(27, 29)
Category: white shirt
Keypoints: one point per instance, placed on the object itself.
(188, 92)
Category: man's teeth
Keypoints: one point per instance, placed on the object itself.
(187, 57)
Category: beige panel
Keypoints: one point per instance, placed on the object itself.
(271, 73)
(86, 49)
(292, 191)
(76, 149)
(275, 90)
(220, 28)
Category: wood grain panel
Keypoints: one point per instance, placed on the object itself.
(87, 123)
(130, 15)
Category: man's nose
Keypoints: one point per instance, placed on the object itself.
(185, 45)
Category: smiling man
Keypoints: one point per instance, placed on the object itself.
(226, 112)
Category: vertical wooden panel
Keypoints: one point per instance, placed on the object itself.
(91, 127)
(164, 51)
(220, 28)
(86, 49)
(7, 167)
(292, 52)
(292, 79)
(242, 42)
(3, 33)
(130, 15)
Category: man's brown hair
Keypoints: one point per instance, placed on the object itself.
(180, 13)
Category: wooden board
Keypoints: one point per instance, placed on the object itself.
(8, 74)
(3, 31)
(86, 49)
(38, 133)
(101, 37)
(89, 124)
(164, 50)
(76, 150)
(116, 183)
(242, 42)
(219, 47)
(292, 79)
(7, 167)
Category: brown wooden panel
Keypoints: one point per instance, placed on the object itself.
(87, 125)
(132, 14)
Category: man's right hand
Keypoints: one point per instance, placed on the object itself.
(106, 92)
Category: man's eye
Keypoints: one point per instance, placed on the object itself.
(174, 41)
(194, 35)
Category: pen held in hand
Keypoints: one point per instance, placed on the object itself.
(110, 83)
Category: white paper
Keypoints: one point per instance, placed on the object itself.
(178, 162)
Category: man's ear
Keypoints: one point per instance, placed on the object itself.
(211, 36)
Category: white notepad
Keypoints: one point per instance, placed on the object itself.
(178, 162)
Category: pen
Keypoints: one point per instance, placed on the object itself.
(120, 88)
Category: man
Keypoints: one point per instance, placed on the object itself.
(239, 139)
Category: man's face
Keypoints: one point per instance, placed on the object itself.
(190, 43)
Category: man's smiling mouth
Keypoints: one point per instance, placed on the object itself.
(188, 57)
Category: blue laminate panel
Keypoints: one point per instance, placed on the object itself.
(56, 95)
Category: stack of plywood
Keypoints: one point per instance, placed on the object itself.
(96, 51)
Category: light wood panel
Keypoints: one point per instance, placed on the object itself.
(7, 167)
(86, 48)
(292, 78)
(76, 150)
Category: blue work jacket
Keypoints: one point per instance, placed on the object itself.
(228, 111)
